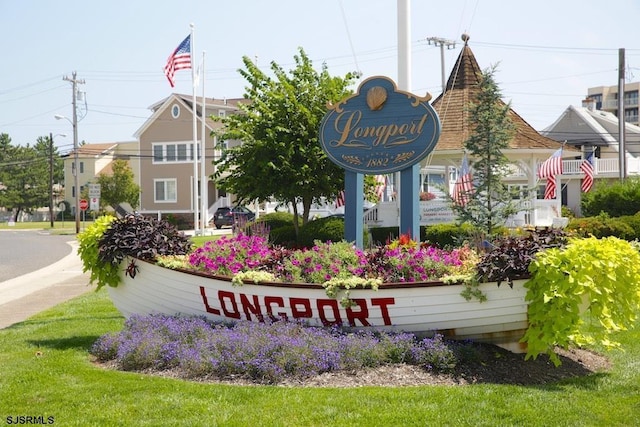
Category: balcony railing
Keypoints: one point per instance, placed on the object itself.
(612, 104)
(609, 166)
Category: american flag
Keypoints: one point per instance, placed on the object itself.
(463, 185)
(340, 199)
(587, 167)
(180, 59)
(550, 189)
(552, 166)
(381, 184)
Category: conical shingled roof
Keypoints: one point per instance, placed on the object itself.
(462, 89)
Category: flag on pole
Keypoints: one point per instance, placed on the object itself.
(340, 199)
(587, 167)
(552, 166)
(381, 184)
(463, 185)
(550, 189)
(180, 59)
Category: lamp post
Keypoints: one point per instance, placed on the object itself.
(76, 178)
(51, 175)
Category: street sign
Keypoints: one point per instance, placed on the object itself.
(84, 204)
(94, 190)
(94, 204)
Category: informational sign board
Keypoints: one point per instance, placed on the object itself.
(380, 129)
(94, 190)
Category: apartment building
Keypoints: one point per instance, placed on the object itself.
(606, 99)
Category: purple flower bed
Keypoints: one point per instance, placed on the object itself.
(266, 353)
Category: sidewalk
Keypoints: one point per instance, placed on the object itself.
(24, 296)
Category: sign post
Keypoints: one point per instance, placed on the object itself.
(380, 130)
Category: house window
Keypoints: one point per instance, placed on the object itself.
(81, 167)
(519, 191)
(175, 111)
(631, 115)
(182, 152)
(165, 190)
(158, 154)
(631, 98)
(172, 152)
(221, 113)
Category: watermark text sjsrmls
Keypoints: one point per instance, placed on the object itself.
(30, 420)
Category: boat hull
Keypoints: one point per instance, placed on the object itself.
(423, 309)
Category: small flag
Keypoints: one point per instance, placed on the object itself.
(550, 189)
(552, 166)
(180, 59)
(587, 167)
(463, 185)
(340, 199)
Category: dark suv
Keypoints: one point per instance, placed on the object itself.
(229, 216)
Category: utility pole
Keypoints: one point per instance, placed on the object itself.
(51, 178)
(442, 43)
(622, 158)
(74, 82)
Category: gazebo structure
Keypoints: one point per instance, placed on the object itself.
(527, 150)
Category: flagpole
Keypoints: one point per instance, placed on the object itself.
(195, 135)
(204, 182)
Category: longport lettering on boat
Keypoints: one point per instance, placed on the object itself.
(256, 307)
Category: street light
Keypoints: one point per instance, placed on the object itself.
(76, 178)
(51, 174)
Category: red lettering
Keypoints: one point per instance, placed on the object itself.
(304, 312)
(231, 297)
(268, 301)
(249, 308)
(361, 314)
(333, 305)
(206, 303)
(383, 303)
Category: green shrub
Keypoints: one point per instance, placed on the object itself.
(448, 235)
(599, 275)
(382, 235)
(283, 236)
(278, 219)
(102, 273)
(323, 229)
(601, 226)
(616, 198)
(567, 212)
(633, 221)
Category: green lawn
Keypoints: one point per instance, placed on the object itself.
(46, 371)
(59, 227)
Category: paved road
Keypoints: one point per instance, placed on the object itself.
(38, 271)
(24, 251)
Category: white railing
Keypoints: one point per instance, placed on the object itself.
(608, 166)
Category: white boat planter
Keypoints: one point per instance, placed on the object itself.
(420, 308)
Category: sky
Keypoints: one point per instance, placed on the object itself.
(547, 53)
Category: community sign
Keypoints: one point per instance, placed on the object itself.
(380, 129)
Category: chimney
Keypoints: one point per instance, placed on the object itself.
(589, 104)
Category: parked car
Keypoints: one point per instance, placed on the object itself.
(229, 216)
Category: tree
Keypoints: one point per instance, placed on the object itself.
(24, 174)
(490, 201)
(118, 187)
(280, 155)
